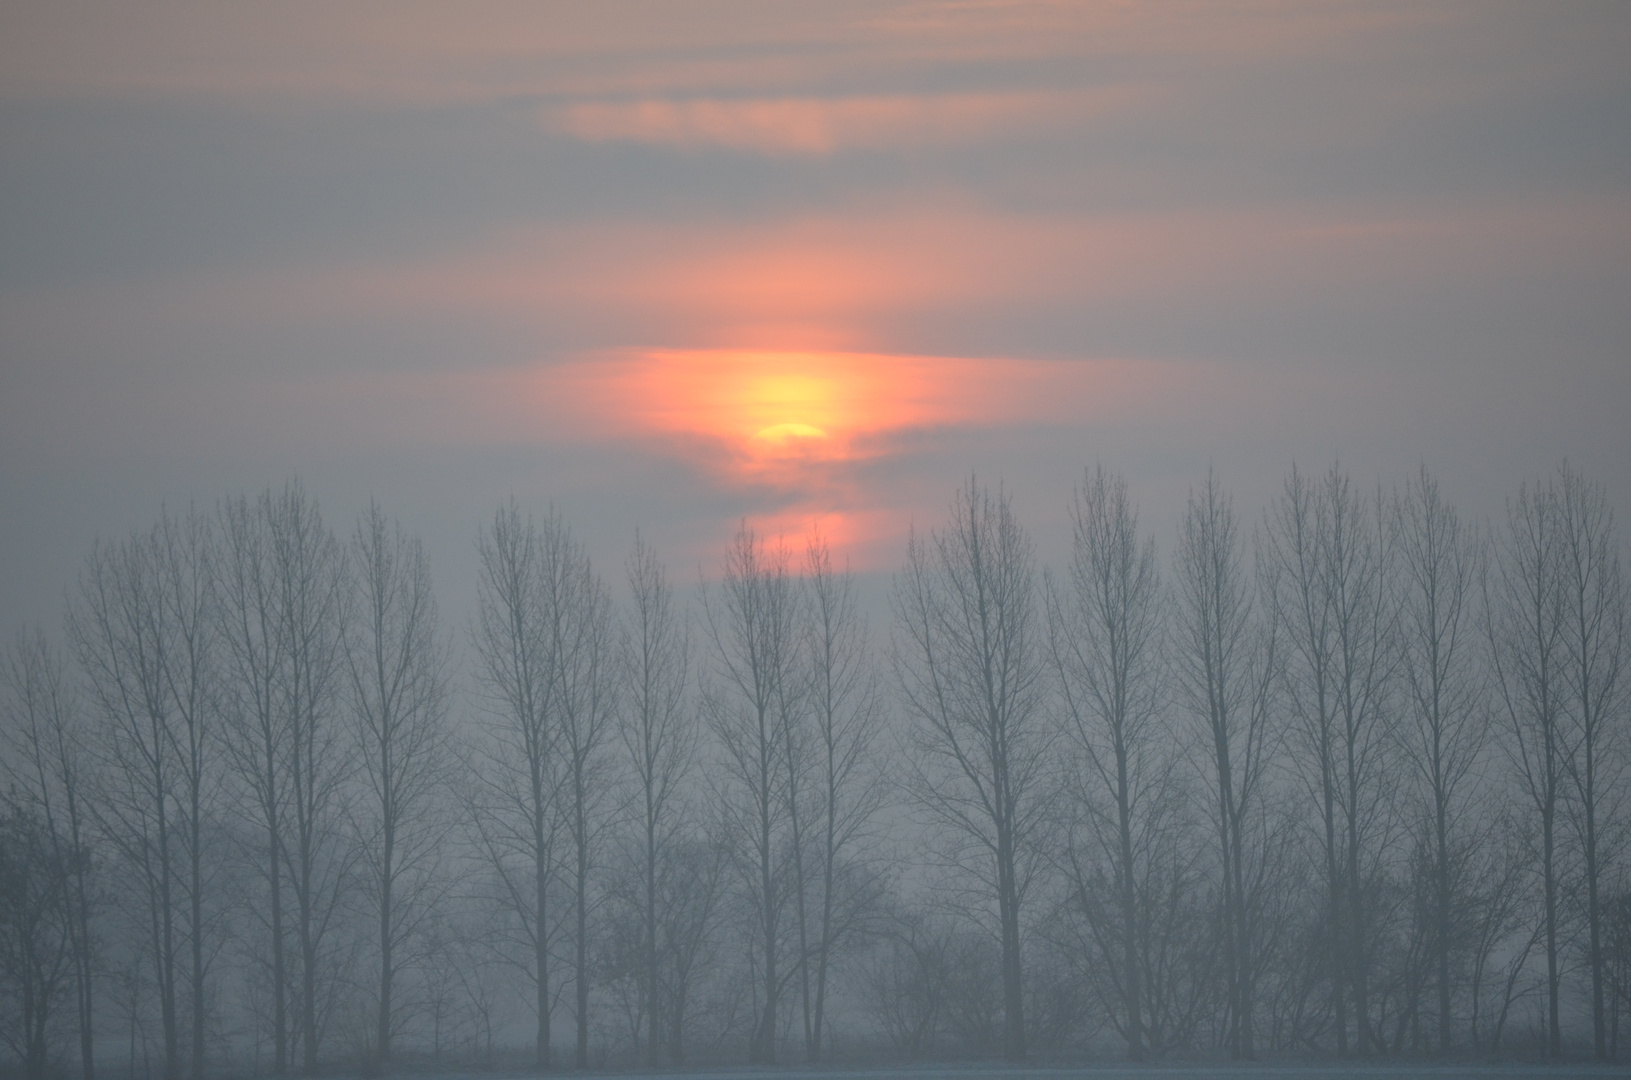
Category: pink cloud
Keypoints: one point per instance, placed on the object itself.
(867, 279)
(497, 49)
(815, 125)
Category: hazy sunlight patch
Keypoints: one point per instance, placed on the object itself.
(787, 418)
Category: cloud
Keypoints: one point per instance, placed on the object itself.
(497, 50)
(794, 438)
(926, 276)
(817, 126)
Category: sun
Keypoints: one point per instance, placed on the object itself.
(780, 433)
(774, 410)
(796, 419)
(788, 406)
(788, 440)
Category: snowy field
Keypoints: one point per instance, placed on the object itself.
(1259, 1071)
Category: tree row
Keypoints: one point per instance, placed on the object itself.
(1349, 777)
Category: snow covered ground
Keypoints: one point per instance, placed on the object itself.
(1188, 1071)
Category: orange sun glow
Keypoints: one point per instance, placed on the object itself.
(773, 411)
(789, 423)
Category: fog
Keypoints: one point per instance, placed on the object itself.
(880, 535)
(1345, 781)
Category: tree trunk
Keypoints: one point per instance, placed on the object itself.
(540, 924)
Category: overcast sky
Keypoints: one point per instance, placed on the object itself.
(677, 265)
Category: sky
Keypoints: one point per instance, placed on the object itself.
(679, 266)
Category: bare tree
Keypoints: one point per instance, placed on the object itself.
(544, 637)
(798, 764)
(35, 937)
(254, 650)
(692, 879)
(577, 615)
(1595, 658)
(1295, 545)
(1526, 627)
(1440, 564)
(43, 732)
(904, 983)
(282, 588)
(846, 710)
(1105, 641)
(1284, 830)
(514, 802)
(1617, 944)
(1497, 909)
(1358, 585)
(186, 561)
(971, 676)
(1328, 545)
(659, 735)
(1227, 669)
(310, 583)
(143, 631)
(397, 668)
(120, 639)
(752, 622)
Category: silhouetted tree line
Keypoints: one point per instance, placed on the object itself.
(1349, 778)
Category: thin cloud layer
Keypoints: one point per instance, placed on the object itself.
(422, 54)
(819, 126)
(687, 264)
(778, 411)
